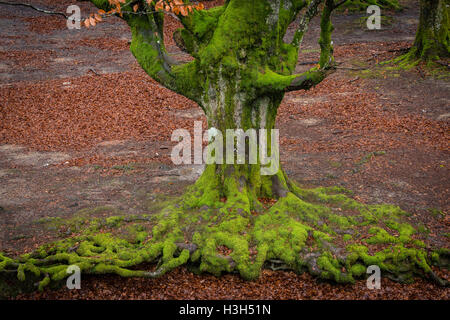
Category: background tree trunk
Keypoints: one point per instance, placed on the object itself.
(432, 39)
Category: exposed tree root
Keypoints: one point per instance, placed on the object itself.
(322, 231)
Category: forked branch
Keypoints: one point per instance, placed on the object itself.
(317, 74)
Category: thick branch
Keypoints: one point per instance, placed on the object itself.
(147, 46)
(309, 79)
(102, 4)
(201, 22)
(316, 75)
(310, 13)
(198, 29)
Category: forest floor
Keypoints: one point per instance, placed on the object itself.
(81, 126)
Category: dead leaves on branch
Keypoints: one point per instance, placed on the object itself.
(94, 18)
(177, 7)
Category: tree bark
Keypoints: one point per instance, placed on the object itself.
(432, 38)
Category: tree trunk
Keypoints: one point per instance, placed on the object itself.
(241, 71)
(432, 38)
(241, 183)
(245, 69)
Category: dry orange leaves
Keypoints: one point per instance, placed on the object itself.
(177, 7)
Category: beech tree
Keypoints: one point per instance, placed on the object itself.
(235, 219)
(241, 70)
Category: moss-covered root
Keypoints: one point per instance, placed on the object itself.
(322, 231)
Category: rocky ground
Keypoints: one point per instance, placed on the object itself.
(81, 125)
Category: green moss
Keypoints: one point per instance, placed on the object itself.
(347, 237)
(436, 212)
(241, 70)
(204, 192)
(114, 221)
(331, 269)
(43, 283)
(358, 270)
(125, 168)
(385, 21)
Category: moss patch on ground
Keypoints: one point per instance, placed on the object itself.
(394, 68)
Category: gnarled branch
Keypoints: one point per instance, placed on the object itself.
(310, 13)
(315, 75)
(147, 46)
(309, 79)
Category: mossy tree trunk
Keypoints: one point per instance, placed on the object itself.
(432, 38)
(241, 71)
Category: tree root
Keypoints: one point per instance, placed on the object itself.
(276, 265)
(302, 231)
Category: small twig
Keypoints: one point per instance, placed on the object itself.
(276, 261)
(91, 69)
(74, 248)
(273, 268)
(34, 8)
(346, 68)
(9, 271)
(397, 50)
(308, 63)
